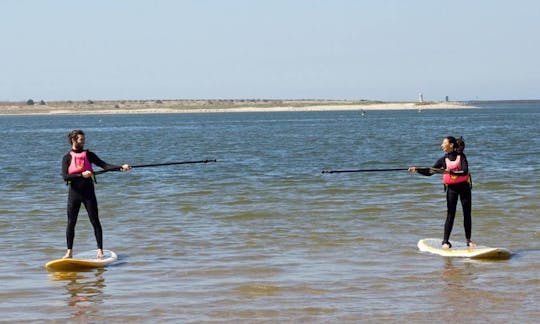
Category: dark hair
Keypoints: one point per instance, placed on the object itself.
(459, 143)
(73, 135)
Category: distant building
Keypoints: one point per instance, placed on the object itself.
(420, 98)
(446, 98)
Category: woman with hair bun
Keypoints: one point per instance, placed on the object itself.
(457, 183)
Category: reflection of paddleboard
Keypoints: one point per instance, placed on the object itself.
(81, 261)
(461, 250)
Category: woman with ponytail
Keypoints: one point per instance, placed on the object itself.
(457, 183)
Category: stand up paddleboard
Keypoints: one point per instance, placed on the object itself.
(461, 250)
(82, 261)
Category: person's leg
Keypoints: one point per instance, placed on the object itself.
(451, 203)
(93, 214)
(466, 203)
(73, 207)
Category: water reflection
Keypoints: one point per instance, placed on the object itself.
(457, 272)
(84, 291)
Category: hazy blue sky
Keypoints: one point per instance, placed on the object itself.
(333, 49)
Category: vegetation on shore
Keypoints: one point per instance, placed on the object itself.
(140, 106)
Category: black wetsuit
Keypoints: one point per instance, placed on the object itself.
(81, 191)
(461, 191)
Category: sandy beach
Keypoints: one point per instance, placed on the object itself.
(210, 106)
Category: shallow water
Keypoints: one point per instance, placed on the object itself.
(263, 235)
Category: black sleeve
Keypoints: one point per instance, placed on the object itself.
(66, 161)
(440, 164)
(93, 158)
(425, 171)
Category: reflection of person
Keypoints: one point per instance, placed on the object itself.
(84, 291)
(456, 180)
(78, 173)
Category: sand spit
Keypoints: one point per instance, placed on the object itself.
(211, 106)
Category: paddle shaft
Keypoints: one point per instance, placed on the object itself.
(363, 170)
(155, 165)
(419, 170)
(170, 163)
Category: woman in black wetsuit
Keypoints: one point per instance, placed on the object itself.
(457, 183)
(78, 173)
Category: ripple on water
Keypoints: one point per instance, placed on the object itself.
(263, 235)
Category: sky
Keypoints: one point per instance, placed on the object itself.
(389, 50)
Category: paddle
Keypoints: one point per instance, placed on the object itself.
(423, 171)
(155, 165)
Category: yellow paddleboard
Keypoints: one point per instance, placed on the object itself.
(82, 261)
(461, 250)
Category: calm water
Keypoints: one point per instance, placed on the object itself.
(262, 235)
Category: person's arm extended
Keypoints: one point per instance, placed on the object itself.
(429, 171)
(93, 158)
(439, 165)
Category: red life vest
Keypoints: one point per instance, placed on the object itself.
(79, 163)
(449, 179)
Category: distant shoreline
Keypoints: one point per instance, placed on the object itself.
(211, 106)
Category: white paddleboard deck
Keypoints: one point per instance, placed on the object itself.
(461, 250)
(82, 261)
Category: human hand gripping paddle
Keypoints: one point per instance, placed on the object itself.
(129, 167)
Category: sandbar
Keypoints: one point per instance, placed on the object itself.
(211, 106)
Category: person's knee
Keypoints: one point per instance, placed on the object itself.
(71, 222)
(95, 222)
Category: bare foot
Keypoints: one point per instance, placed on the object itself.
(446, 246)
(99, 254)
(68, 254)
(471, 244)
